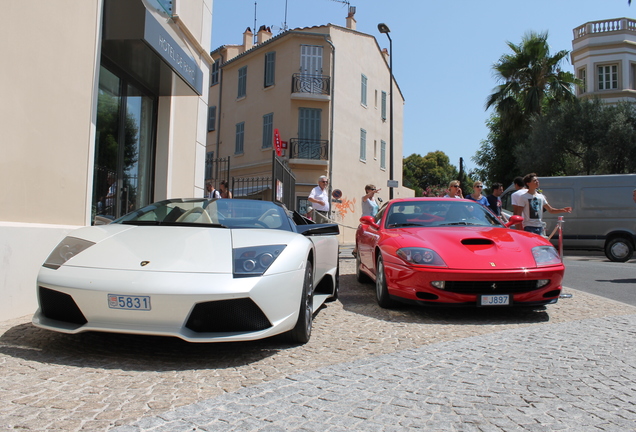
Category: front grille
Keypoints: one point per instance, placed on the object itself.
(495, 287)
(238, 315)
(60, 306)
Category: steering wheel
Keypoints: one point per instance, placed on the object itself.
(203, 215)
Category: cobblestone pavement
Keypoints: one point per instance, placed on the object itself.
(365, 368)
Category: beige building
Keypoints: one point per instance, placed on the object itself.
(604, 58)
(325, 89)
(103, 111)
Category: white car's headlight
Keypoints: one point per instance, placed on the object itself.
(255, 260)
(421, 256)
(67, 249)
(545, 256)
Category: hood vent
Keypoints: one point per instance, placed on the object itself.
(476, 242)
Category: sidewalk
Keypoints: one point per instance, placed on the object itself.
(576, 376)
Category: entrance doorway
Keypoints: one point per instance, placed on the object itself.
(124, 147)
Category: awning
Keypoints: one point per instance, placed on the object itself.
(143, 46)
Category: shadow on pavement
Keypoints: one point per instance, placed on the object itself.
(132, 352)
(360, 298)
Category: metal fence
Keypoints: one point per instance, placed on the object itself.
(314, 84)
(216, 169)
(280, 187)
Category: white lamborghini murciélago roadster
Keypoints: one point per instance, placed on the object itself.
(202, 270)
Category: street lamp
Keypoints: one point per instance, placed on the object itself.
(383, 28)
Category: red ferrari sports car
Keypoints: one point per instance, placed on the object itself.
(448, 251)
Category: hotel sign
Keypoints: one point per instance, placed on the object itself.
(164, 45)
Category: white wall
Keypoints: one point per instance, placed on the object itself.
(23, 249)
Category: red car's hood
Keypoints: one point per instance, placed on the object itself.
(475, 248)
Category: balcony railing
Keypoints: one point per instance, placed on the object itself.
(313, 84)
(300, 148)
(605, 26)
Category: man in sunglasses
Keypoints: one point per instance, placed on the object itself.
(319, 197)
(531, 206)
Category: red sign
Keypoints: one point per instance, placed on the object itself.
(277, 143)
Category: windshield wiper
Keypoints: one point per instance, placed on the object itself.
(405, 224)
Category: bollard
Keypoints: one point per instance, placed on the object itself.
(560, 225)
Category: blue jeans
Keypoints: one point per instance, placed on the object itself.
(536, 230)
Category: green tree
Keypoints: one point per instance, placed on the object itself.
(582, 137)
(531, 82)
(427, 174)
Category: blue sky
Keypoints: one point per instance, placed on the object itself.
(443, 51)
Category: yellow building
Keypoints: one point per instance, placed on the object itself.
(325, 89)
(103, 111)
(604, 59)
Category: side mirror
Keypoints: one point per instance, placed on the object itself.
(514, 220)
(368, 220)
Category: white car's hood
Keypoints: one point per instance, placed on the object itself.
(149, 248)
(170, 249)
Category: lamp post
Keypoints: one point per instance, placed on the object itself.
(383, 28)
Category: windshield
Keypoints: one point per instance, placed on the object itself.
(439, 213)
(224, 213)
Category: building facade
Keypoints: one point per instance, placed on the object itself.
(103, 111)
(324, 91)
(604, 59)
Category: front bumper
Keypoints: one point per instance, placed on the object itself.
(273, 299)
(414, 284)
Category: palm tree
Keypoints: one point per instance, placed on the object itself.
(530, 78)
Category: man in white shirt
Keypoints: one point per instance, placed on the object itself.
(531, 205)
(210, 191)
(319, 197)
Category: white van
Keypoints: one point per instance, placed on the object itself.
(603, 212)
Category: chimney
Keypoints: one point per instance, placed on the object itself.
(248, 39)
(264, 34)
(351, 21)
(386, 54)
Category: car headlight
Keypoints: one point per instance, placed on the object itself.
(545, 256)
(255, 260)
(421, 256)
(67, 249)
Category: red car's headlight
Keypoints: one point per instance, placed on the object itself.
(545, 256)
(421, 256)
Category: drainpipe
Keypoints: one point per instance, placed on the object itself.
(218, 122)
(333, 96)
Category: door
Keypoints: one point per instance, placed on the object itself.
(124, 147)
(309, 124)
(311, 60)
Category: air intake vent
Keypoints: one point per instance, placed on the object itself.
(240, 315)
(60, 306)
(476, 241)
(493, 287)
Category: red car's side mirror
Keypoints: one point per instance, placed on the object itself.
(368, 220)
(514, 220)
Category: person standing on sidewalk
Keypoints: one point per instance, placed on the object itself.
(369, 204)
(319, 197)
(532, 204)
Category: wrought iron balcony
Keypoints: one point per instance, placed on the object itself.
(312, 84)
(300, 148)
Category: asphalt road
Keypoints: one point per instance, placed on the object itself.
(593, 273)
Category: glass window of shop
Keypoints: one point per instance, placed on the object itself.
(124, 147)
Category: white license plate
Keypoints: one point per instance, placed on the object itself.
(117, 301)
(494, 300)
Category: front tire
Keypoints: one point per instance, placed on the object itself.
(381, 290)
(619, 249)
(301, 333)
